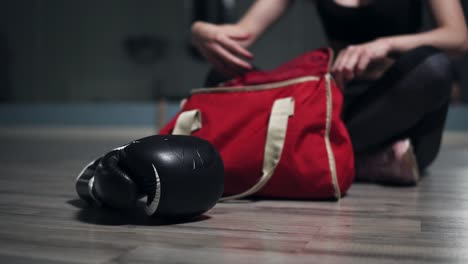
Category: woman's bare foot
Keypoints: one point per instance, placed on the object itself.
(395, 165)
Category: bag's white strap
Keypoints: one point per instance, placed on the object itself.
(276, 134)
(188, 122)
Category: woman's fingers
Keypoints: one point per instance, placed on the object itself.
(220, 45)
(337, 69)
(229, 58)
(350, 63)
(219, 65)
(364, 61)
(237, 33)
(234, 47)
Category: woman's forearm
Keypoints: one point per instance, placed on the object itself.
(261, 15)
(450, 33)
(451, 41)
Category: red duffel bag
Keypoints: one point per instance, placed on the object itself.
(279, 132)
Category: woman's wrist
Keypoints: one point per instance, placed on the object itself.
(196, 25)
(389, 42)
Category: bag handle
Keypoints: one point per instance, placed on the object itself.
(276, 133)
(188, 122)
(277, 125)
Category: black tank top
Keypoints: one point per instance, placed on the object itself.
(377, 19)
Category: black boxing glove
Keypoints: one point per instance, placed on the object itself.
(84, 184)
(180, 176)
(119, 193)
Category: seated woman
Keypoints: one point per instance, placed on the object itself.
(395, 79)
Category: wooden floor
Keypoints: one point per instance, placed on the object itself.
(41, 220)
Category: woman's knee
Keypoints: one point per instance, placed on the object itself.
(439, 68)
(430, 73)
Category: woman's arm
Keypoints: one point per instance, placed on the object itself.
(450, 34)
(262, 15)
(224, 46)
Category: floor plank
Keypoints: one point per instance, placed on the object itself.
(42, 221)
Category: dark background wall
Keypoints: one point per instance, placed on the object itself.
(75, 51)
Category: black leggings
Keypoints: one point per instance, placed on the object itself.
(409, 101)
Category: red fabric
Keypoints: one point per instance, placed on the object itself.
(236, 124)
(312, 63)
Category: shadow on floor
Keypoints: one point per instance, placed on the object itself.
(136, 216)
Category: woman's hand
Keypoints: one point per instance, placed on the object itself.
(353, 61)
(223, 46)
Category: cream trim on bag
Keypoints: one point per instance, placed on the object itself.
(256, 87)
(188, 122)
(331, 156)
(277, 125)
